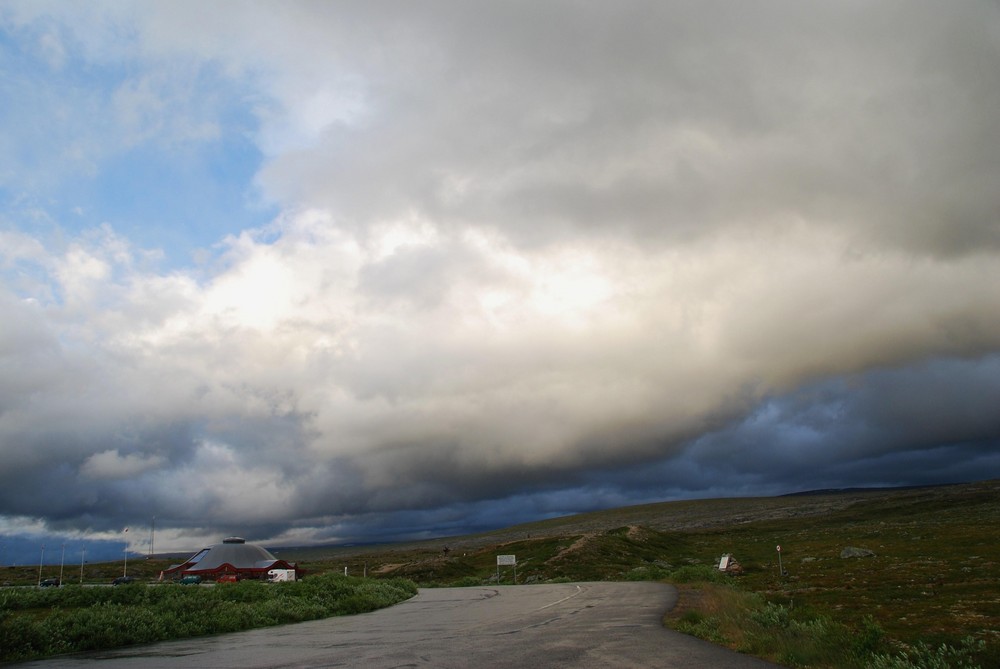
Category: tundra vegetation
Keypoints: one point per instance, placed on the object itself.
(37, 622)
(922, 590)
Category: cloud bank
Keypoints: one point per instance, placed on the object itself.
(485, 264)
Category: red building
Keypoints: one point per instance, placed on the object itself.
(233, 557)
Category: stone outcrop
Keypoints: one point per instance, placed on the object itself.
(852, 552)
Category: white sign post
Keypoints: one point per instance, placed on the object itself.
(506, 561)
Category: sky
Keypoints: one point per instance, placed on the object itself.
(311, 272)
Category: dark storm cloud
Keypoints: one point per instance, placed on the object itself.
(926, 423)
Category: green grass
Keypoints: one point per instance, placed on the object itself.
(42, 622)
(802, 637)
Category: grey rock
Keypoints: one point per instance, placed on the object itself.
(852, 552)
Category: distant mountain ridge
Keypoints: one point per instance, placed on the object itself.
(673, 515)
(839, 491)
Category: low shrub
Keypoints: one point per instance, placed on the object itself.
(923, 656)
(704, 627)
(647, 573)
(36, 623)
(698, 574)
(771, 616)
(748, 623)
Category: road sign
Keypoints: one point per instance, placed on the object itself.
(506, 561)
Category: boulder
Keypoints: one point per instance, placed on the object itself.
(852, 552)
(729, 565)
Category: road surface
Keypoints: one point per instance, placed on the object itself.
(578, 625)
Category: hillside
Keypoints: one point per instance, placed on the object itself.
(930, 571)
(690, 516)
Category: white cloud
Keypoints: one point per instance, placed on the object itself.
(111, 465)
(513, 250)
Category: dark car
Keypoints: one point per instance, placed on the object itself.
(50, 583)
(123, 580)
(190, 580)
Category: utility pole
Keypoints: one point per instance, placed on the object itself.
(82, 556)
(152, 535)
(125, 572)
(62, 563)
(40, 560)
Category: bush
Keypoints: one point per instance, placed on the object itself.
(866, 640)
(774, 616)
(36, 623)
(647, 573)
(701, 626)
(746, 622)
(923, 656)
(698, 574)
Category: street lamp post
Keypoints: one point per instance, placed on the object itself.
(82, 556)
(62, 563)
(40, 560)
(125, 572)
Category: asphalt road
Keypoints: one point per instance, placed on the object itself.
(578, 625)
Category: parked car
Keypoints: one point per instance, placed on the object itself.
(279, 575)
(50, 583)
(227, 578)
(123, 580)
(190, 580)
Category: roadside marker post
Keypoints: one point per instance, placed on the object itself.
(781, 570)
